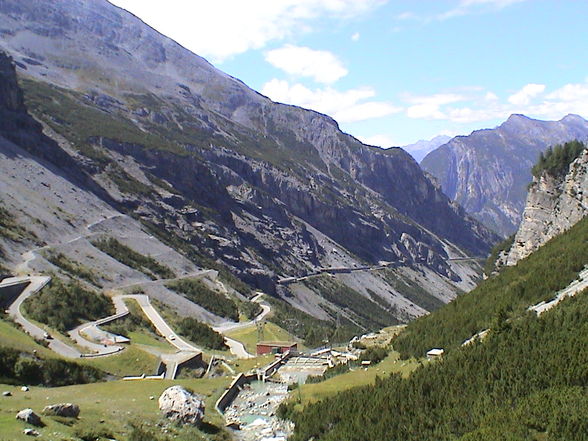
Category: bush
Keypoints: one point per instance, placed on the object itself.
(22, 367)
(331, 372)
(63, 306)
(140, 433)
(215, 302)
(93, 433)
(136, 320)
(201, 334)
(374, 354)
(145, 264)
(250, 309)
(72, 268)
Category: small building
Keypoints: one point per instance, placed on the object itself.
(275, 347)
(435, 353)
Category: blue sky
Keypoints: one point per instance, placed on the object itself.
(392, 72)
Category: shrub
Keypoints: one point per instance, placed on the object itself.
(215, 302)
(374, 354)
(73, 268)
(63, 306)
(22, 367)
(201, 333)
(145, 264)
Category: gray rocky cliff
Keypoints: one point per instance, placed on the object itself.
(553, 206)
(488, 171)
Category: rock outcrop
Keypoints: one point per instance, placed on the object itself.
(68, 410)
(553, 206)
(488, 171)
(178, 404)
(29, 417)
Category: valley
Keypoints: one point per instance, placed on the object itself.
(183, 257)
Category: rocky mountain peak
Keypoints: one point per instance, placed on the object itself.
(488, 171)
(11, 98)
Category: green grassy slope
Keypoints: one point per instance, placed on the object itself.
(107, 409)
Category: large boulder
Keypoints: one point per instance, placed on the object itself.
(63, 409)
(29, 417)
(182, 406)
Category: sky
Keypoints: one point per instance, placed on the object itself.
(392, 72)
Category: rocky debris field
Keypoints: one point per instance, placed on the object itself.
(254, 412)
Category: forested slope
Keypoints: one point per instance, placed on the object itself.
(527, 380)
(536, 278)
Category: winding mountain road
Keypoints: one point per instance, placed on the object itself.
(236, 347)
(36, 283)
(186, 350)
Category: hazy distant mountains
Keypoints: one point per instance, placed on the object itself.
(421, 148)
(487, 172)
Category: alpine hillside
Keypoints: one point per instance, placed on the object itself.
(220, 176)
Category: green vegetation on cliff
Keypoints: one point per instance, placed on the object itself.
(213, 301)
(313, 331)
(72, 268)
(25, 368)
(527, 381)
(490, 264)
(557, 159)
(201, 334)
(370, 314)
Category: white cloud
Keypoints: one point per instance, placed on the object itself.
(570, 98)
(429, 107)
(466, 7)
(526, 94)
(345, 107)
(378, 140)
(222, 28)
(479, 105)
(408, 15)
(322, 66)
(355, 36)
(490, 96)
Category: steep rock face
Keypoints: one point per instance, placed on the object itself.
(15, 123)
(213, 167)
(488, 171)
(553, 206)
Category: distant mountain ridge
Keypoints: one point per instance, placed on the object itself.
(488, 171)
(421, 148)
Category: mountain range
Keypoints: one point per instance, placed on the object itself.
(487, 172)
(157, 142)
